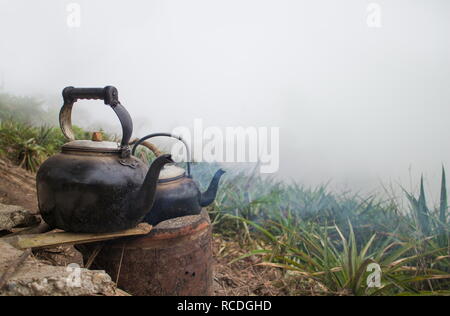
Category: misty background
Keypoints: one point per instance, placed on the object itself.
(356, 105)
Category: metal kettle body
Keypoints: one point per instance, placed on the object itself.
(95, 187)
(177, 194)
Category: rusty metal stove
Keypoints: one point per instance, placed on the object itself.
(175, 259)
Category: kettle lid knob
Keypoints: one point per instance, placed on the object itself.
(97, 136)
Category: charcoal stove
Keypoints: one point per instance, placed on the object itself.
(175, 259)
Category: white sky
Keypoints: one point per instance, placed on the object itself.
(355, 104)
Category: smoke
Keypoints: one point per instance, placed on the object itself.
(355, 104)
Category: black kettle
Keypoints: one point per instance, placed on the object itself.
(177, 194)
(94, 186)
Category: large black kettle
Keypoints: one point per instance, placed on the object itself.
(177, 194)
(94, 186)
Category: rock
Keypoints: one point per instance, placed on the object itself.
(12, 216)
(35, 278)
(60, 256)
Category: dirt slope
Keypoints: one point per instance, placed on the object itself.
(17, 186)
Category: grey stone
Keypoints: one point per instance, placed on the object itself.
(35, 278)
(12, 216)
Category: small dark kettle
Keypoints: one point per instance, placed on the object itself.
(96, 186)
(177, 194)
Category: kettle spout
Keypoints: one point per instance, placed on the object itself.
(209, 196)
(147, 193)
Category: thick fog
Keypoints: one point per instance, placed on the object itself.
(357, 105)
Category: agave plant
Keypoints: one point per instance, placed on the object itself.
(20, 144)
(333, 239)
(431, 223)
(28, 146)
(443, 213)
(342, 266)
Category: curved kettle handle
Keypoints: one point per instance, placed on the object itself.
(109, 94)
(188, 154)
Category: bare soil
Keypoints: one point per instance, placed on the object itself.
(17, 187)
(243, 277)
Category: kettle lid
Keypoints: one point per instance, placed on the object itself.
(171, 173)
(91, 146)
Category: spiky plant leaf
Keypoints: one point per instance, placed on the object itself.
(444, 204)
(423, 214)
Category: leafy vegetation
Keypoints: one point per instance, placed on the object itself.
(338, 241)
(28, 146)
(26, 137)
